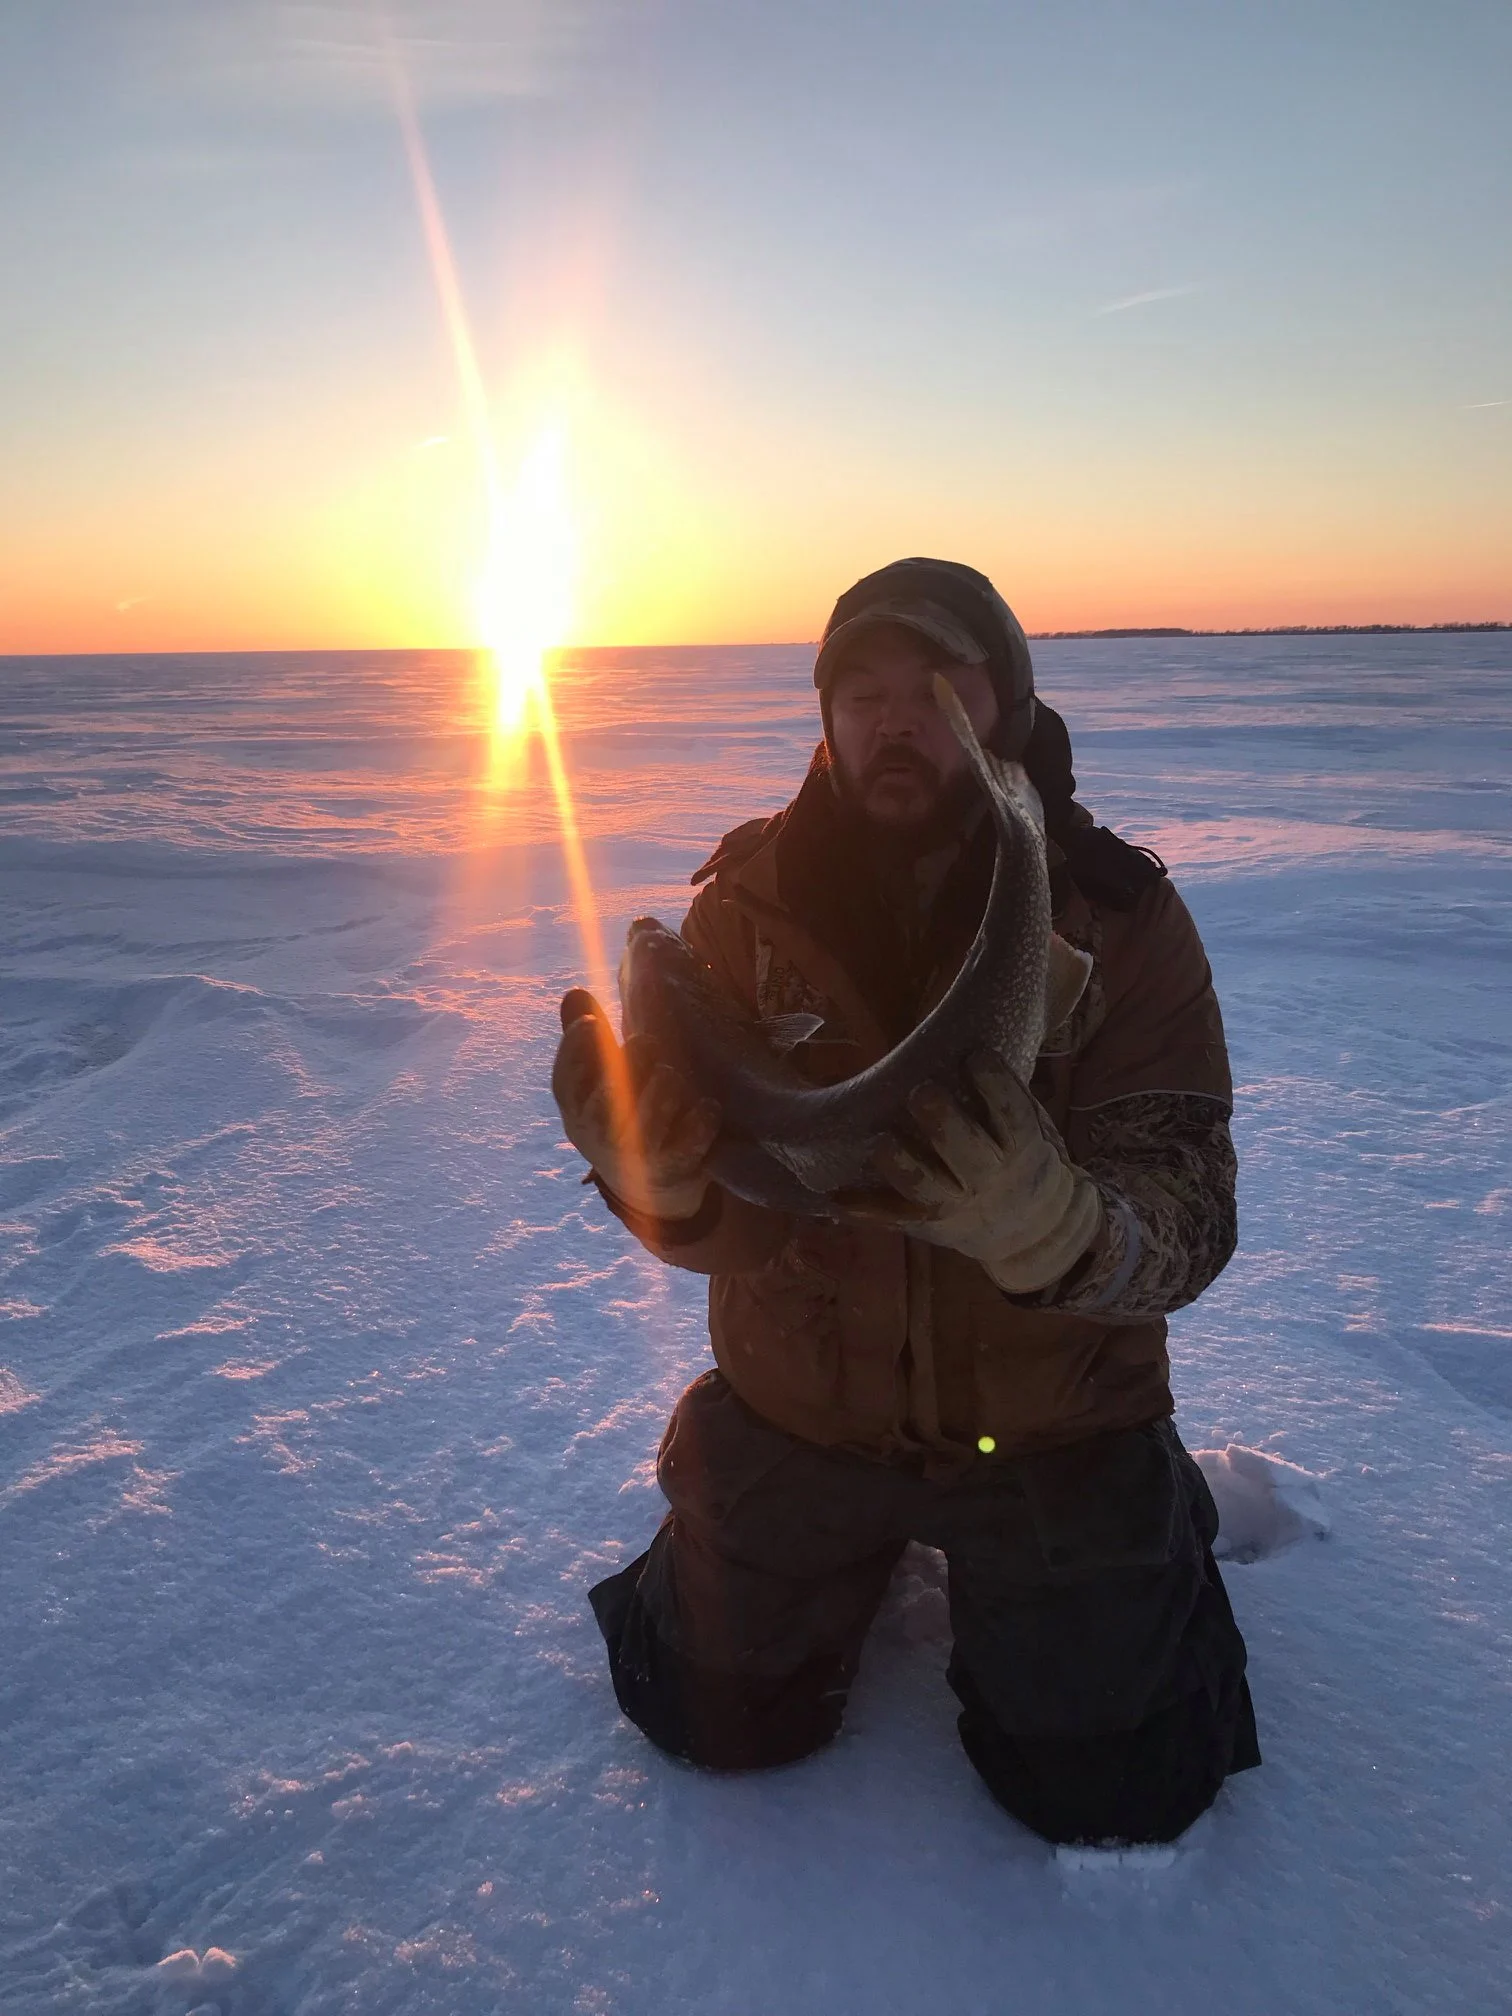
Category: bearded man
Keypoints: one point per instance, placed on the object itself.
(979, 1365)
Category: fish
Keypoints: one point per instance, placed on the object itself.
(801, 1147)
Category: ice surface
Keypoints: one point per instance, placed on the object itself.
(325, 1390)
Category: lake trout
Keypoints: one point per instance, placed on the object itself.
(798, 1147)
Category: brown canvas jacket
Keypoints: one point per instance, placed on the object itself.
(904, 1351)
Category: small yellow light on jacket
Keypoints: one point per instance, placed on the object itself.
(986, 1444)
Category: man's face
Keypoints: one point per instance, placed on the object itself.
(894, 749)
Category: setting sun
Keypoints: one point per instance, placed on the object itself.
(524, 603)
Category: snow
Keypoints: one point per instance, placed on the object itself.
(325, 1389)
(1264, 1503)
(1139, 1859)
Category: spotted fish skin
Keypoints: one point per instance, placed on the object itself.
(792, 1145)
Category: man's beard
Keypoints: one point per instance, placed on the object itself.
(951, 809)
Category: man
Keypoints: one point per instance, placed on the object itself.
(973, 1357)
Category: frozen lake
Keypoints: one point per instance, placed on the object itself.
(325, 1390)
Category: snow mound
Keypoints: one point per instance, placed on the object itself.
(1264, 1504)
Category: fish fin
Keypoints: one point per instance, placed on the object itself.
(785, 1032)
(1067, 972)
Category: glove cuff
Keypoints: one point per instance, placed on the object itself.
(667, 1228)
(1037, 1267)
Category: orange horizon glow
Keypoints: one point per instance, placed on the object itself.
(396, 569)
(99, 636)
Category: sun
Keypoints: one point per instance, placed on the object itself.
(524, 604)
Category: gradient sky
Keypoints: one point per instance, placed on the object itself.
(1160, 313)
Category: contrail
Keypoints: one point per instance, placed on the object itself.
(1152, 294)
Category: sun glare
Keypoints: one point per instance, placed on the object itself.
(525, 597)
(524, 604)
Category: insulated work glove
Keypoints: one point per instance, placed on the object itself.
(638, 1123)
(1007, 1194)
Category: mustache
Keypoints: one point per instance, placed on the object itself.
(901, 757)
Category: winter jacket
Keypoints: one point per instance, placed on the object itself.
(903, 1351)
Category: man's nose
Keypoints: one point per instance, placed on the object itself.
(903, 719)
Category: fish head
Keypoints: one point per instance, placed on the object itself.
(669, 997)
(658, 973)
(1010, 793)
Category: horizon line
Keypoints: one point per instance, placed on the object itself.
(1107, 633)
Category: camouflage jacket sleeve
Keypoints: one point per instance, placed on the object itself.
(1165, 1165)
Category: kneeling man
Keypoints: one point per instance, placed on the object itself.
(983, 1368)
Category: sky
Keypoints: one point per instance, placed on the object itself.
(1159, 313)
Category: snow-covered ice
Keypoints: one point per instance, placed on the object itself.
(325, 1390)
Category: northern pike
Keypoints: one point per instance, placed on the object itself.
(796, 1146)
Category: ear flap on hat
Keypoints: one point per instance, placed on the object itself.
(1047, 758)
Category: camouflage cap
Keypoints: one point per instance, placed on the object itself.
(955, 608)
(930, 619)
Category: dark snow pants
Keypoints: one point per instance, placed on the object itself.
(1097, 1661)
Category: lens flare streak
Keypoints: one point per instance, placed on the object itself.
(448, 286)
(525, 598)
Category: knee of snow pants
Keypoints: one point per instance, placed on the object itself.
(1106, 1701)
(1144, 1784)
(734, 1639)
(726, 1721)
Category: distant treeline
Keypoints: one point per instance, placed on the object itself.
(1284, 630)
